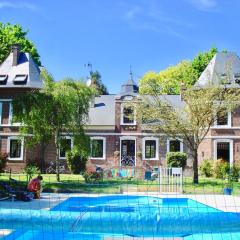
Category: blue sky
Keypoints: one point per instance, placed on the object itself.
(114, 34)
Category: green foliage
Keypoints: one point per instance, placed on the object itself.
(59, 106)
(30, 170)
(101, 89)
(206, 168)
(12, 34)
(176, 159)
(78, 156)
(168, 81)
(91, 177)
(235, 172)
(221, 169)
(3, 161)
(201, 61)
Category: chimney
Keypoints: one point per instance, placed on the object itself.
(15, 49)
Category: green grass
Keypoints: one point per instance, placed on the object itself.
(75, 183)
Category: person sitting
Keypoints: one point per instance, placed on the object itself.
(35, 186)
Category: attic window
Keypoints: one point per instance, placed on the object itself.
(3, 79)
(20, 79)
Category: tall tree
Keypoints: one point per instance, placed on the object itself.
(61, 107)
(168, 81)
(190, 120)
(12, 34)
(96, 78)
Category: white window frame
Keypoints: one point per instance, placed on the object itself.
(230, 141)
(8, 148)
(67, 137)
(228, 125)
(104, 147)
(1, 112)
(144, 146)
(122, 116)
(174, 139)
(128, 138)
(10, 117)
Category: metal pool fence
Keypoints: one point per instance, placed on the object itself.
(161, 205)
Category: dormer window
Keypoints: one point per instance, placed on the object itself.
(223, 120)
(20, 79)
(128, 115)
(3, 79)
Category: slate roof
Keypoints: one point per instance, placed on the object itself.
(223, 69)
(103, 112)
(25, 66)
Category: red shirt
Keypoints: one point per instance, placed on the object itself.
(34, 185)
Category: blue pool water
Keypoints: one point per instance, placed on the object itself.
(117, 216)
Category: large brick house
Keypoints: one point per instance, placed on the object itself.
(117, 140)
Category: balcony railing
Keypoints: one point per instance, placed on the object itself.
(127, 161)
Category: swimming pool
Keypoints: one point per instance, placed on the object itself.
(120, 215)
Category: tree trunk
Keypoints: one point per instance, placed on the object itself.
(42, 153)
(195, 166)
(57, 156)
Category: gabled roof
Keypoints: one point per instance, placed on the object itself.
(223, 69)
(26, 74)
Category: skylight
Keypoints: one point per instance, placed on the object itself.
(20, 79)
(3, 79)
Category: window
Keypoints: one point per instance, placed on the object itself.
(15, 148)
(223, 120)
(20, 79)
(175, 145)
(98, 147)
(65, 145)
(150, 148)
(3, 79)
(128, 116)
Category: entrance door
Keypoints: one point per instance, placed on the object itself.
(128, 153)
(223, 151)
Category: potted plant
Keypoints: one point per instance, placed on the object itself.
(228, 187)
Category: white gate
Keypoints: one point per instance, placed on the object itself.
(170, 180)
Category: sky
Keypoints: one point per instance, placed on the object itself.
(149, 35)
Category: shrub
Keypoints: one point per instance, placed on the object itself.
(206, 168)
(176, 159)
(235, 172)
(30, 170)
(91, 177)
(3, 161)
(221, 169)
(76, 162)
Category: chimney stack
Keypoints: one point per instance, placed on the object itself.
(183, 88)
(15, 49)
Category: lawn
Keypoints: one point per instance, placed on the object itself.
(75, 183)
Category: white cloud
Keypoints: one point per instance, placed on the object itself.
(18, 5)
(204, 5)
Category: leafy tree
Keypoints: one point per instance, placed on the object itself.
(168, 81)
(12, 34)
(186, 72)
(101, 89)
(59, 107)
(192, 120)
(201, 61)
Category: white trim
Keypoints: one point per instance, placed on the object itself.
(104, 148)
(228, 125)
(122, 116)
(99, 127)
(223, 137)
(1, 113)
(8, 148)
(65, 137)
(157, 148)
(6, 100)
(230, 149)
(172, 139)
(128, 138)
